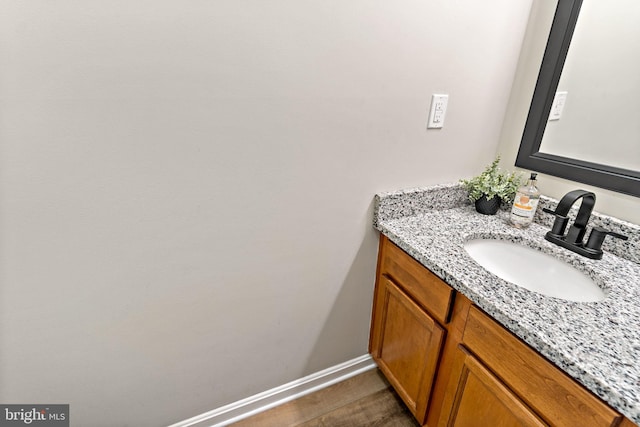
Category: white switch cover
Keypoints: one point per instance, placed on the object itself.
(558, 104)
(437, 111)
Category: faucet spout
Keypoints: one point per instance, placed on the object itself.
(573, 240)
(577, 230)
(574, 237)
(569, 199)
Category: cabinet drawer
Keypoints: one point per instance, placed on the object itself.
(427, 289)
(555, 396)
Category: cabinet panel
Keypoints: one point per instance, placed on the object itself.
(408, 346)
(554, 395)
(427, 289)
(482, 400)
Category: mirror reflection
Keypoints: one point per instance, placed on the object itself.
(594, 138)
(595, 113)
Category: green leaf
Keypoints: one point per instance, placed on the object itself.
(493, 182)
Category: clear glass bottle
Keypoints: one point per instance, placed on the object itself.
(525, 204)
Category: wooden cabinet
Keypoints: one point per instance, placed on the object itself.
(552, 394)
(411, 315)
(481, 399)
(524, 388)
(455, 366)
(409, 343)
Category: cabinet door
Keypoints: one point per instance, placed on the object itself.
(551, 393)
(407, 347)
(481, 399)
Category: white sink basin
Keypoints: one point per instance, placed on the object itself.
(534, 270)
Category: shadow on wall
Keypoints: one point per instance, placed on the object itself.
(347, 325)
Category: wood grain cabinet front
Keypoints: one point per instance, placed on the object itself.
(407, 336)
(548, 392)
(408, 346)
(481, 399)
(428, 291)
(453, 365)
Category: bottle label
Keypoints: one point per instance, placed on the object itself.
(524, 206)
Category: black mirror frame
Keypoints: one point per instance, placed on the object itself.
(529, 156)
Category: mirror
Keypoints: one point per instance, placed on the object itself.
(556, 147)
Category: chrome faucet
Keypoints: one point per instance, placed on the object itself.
(573, 240)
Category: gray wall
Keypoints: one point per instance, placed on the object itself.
(186, 187)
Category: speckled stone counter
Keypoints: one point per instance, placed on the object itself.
(597, 343)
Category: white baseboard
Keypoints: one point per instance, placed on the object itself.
(252, 405)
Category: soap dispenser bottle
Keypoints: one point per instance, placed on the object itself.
(525, 204)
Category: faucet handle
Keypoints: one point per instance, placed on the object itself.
(597, 237)
(559, 224)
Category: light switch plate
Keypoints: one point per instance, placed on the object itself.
(558, 105)
(437, 111)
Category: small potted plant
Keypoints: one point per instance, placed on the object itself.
(492, 187)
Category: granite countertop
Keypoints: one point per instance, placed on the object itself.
(597, 343)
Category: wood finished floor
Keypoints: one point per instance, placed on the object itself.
(364, 400)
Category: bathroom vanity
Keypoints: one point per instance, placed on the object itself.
(464, 347)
